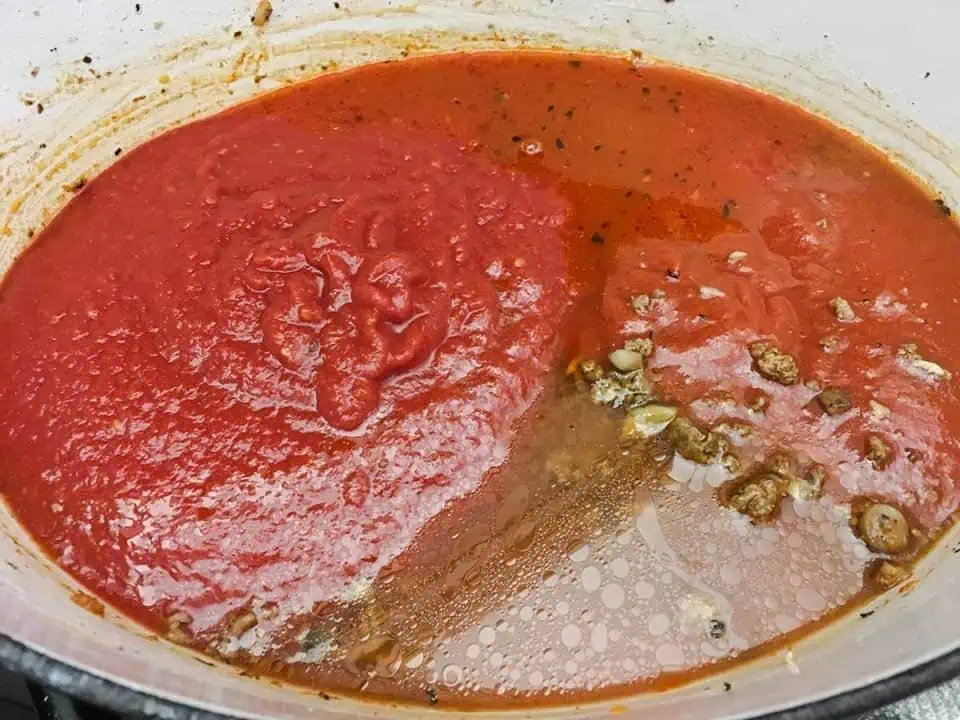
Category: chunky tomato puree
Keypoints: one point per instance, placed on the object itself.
(279, 352)
(298, 383)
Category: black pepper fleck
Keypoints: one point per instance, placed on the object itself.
(237, 33)
(87, 59)
(575, 64)
(717, 629)
(559, 143)
(39, 108)
(117, 152)
(866, 614)
(727, 687)
(137, 8)
(516, 139)
(597, 239)
(597, 147)
(432, 696)
(336, 5)
(944, 208)
(926, 75)
(569, 113)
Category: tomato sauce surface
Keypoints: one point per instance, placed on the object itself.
(279, 360)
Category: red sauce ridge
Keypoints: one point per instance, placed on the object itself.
(262, 366)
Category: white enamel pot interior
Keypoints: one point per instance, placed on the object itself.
(887, 71)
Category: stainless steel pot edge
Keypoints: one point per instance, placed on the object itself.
(93, 689)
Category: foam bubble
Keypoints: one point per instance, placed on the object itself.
(570, 635)
(658, 624)
(487, 635)
(591, 578)
(598, 638)
(620, 568)
(612, 596)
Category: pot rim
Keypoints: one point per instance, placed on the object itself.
(88, 687)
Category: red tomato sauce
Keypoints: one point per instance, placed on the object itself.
(253, 358)
(299, 346)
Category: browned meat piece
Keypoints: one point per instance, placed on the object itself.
(618, 389)
(692, 442)
(774, 364)
(878, 452)
(591, 370)
(884, 529)
(834, 401)
(888, 575)
(757, 496)
(262, 14)
(178, 628)
(756, 400)
(914, 455)
(810, 485)
(242, 622)
(783, 464)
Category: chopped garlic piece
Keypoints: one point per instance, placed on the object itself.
(791, 662)
(843, 310)
(915, 364)
(647, 421)
(627, 360)
(640, 303)
(878, 411)
(736, 256)
(709, 293)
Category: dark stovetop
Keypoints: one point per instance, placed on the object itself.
(20, 700)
